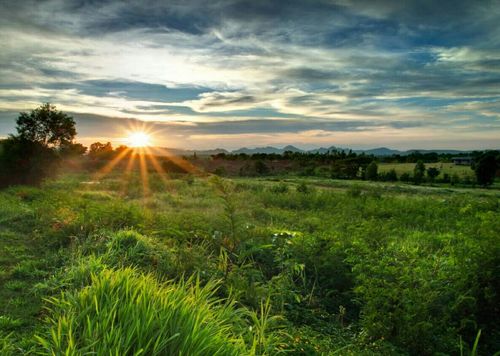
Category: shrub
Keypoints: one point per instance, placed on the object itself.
(405, 177)
(129, 248)
(432, 173)
(391, 176)
(371, 171)
(486, 168)
(261, 168)
(419, 172)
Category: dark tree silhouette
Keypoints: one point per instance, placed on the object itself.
(371, 171)
(432, 173)
(100, 150)
(43, 135)
(47, 126)
(486, 168)
(261, 168)
(419, 172)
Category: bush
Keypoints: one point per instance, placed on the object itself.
(419, 172)
(486, 168)
(261, 168)
(372, 171)
(390, 176)
(25, 162)
(126, 313)
(129, 248)
(405, 177)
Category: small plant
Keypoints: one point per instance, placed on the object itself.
(302, 188)
(280, 188)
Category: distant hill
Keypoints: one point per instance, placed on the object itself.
(161, 151)
(380, 151)
(267, 150)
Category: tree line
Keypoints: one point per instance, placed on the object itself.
(46, 137)
(350, 165)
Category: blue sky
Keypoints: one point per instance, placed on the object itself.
(227, 73)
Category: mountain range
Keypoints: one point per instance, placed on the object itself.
(380, 151)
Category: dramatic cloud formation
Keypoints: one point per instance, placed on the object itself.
(228, 73)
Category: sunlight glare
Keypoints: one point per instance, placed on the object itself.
(139, 139)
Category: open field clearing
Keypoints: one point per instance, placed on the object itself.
(445, 168)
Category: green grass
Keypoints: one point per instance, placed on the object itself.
(125, 312)
(304, 266)
(445, 168)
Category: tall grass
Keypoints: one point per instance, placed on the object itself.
(123, 312)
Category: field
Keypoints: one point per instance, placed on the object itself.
(445, 168)
(204, 266)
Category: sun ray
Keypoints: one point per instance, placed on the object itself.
(128, 170)
(144, 172)
(110, 165)
(188, 167)
(157, 166)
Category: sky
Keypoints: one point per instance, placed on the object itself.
(231, 73)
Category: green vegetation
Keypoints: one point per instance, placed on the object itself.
(463, 172)
(44, 136)
(165, 260)
(247, 266)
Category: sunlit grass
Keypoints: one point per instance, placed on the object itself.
(129, 313)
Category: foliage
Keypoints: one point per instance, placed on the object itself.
(261, 168)
(390, 176)
(32, 154)
(47, 126)
(371, 172)
(316, 266)
(419, 172)
(486, 168)
(131, 313)
(25, 162)
(100, 150)
(432, 173)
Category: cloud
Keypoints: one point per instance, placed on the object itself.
(232, 65)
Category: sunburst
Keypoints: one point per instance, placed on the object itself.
(140, 147)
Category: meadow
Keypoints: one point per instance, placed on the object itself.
(463, 172)
(199, 265)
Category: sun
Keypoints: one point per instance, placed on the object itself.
(139, 139)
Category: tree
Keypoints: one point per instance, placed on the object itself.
(486, 168)
(432, 173)
(371, 171)
(101, 150)
(25, 162)
(72, 149)
(46, 126)
(261, 168)
(43, 135)
(419, 172)
(391, 176)
(405, 177)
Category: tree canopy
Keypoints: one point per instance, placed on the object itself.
(46, 125)
(44, 135)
